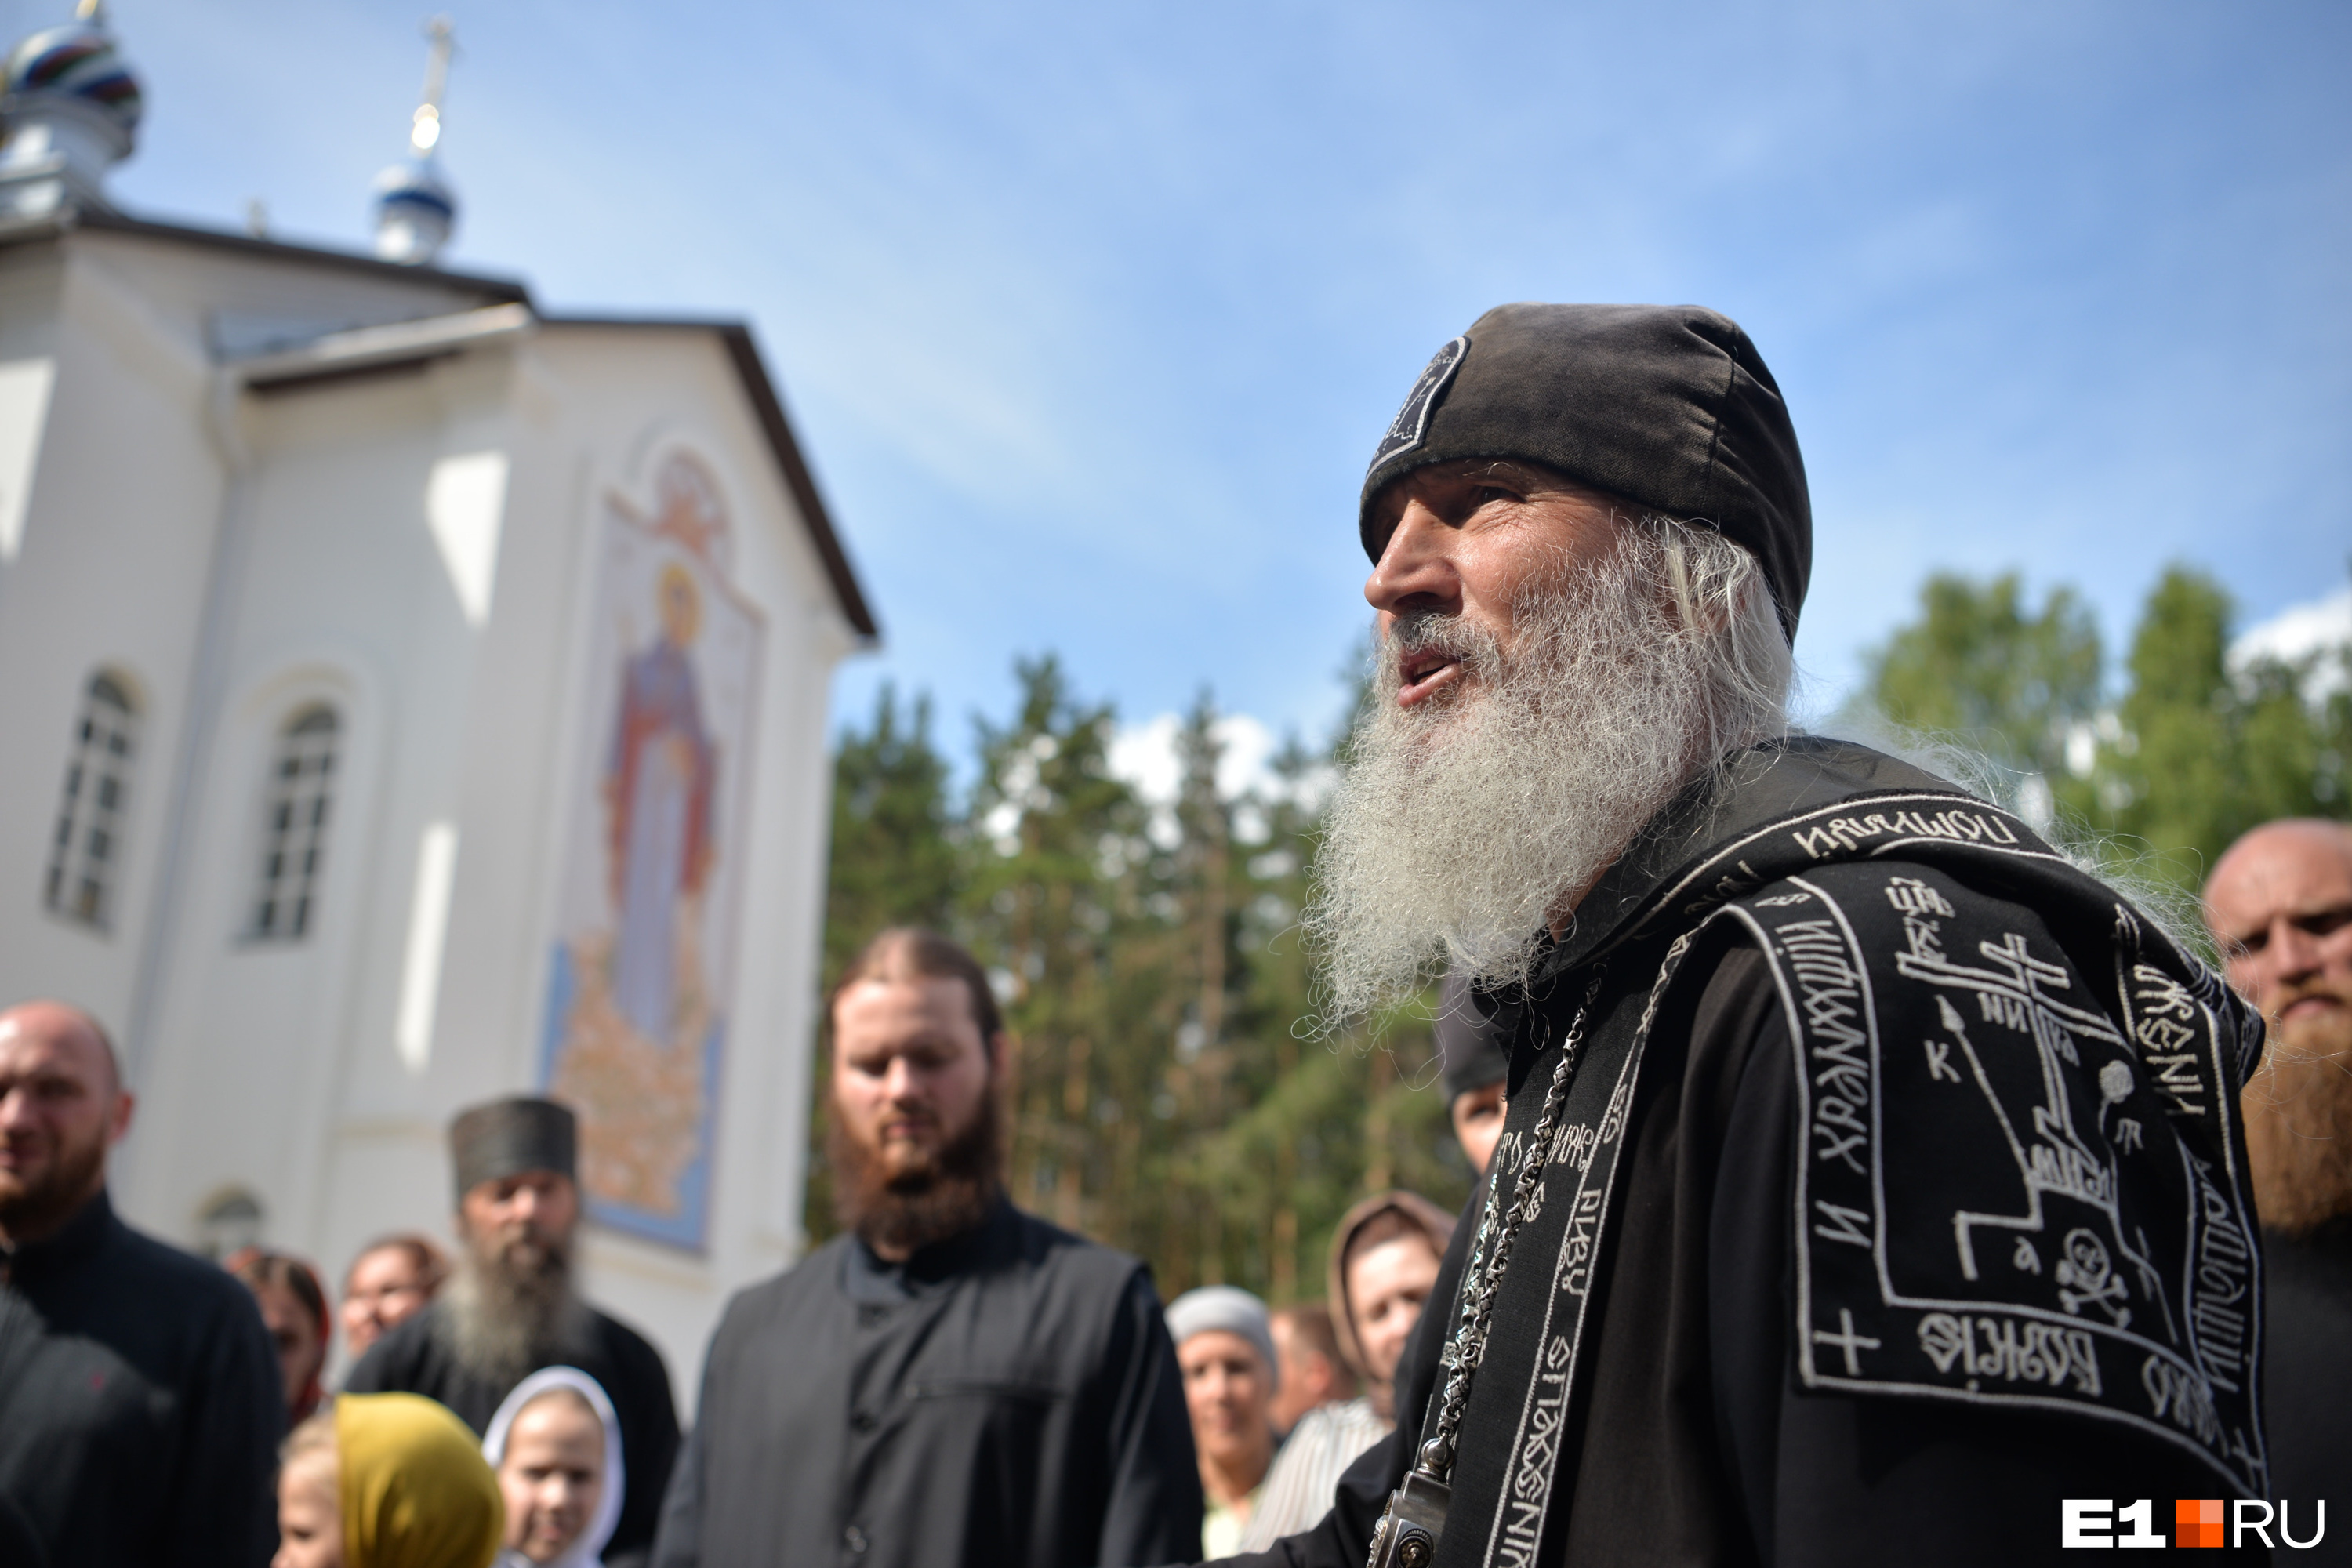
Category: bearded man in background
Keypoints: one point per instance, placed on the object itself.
(511, 1307)
(952, 1381)
(1870, 1176)
(2280, 906)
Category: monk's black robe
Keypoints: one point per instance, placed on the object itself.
(140, 1411)
(414, 1358)
(2309, 1383)
(1899, 1196)
(1007, 1396)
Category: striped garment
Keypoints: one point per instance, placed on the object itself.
(1298, 1490)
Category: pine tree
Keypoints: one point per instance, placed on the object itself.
(1980, 665)
(2205, 753)
(1060, 906)
(2192, 754)
(1162, 1097)
(895, 861)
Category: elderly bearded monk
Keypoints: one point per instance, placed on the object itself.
(1871, 1179)
(511, 1307)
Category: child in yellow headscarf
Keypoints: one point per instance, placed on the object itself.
(386, 1480)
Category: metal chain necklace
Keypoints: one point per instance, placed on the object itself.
(1408, 1532)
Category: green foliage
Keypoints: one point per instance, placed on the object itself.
(1159, 1097)
(2172, 786)
(2203, 754)
(893, 861)
(2189, 756)
(1980, 665)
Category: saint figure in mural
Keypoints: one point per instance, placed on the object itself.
(657, 787)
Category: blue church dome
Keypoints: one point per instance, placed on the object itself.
(414, 211)
(81, 62)
(416, 183)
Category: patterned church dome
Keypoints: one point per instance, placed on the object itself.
(415, 208)
(79, 61)
(414, 211)
(416, 183)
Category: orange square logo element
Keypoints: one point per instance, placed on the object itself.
(2197, 1522)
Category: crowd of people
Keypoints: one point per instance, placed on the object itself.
(1854, 1167)
(489, 1413)
(156, 1408)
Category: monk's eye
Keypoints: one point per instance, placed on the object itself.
(1486, 494)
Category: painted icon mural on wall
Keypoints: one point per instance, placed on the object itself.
(645, 958)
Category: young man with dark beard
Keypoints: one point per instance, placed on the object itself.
(2280, 906)
(511, 1309)
(140, 1410)
(1870, 1182)
(952, 1381)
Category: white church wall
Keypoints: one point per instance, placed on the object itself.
(631, 396)
(268, 1046)
(28, 367)
(239, 1095)
(420, 549)
(108, 571)
(388, 1168)
(237, 300)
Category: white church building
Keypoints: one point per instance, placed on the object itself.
(411, 698)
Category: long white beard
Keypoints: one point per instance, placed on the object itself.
(1461, 826)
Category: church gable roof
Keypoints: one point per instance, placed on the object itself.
(492, 290)
(499, 306)
(767, 409)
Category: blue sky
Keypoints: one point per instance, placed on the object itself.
(1089, 315)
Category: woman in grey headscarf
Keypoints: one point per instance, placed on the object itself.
(1384, 1259)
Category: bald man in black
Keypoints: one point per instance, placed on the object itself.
(140, 1409)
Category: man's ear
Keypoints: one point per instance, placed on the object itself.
(118, 1121)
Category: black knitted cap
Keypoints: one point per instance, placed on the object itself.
(507, 1137)
(1467, 1041)
(1668, 407)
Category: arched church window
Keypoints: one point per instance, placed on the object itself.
(84, 867)
(294, 825)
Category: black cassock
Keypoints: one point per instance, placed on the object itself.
(140, 1411)
(1009, 1396)
(414, 1359)
(1897, 1196)
(2309, 1381)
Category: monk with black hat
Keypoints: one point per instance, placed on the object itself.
(509, 1308)
(1871, 1183)
(1473, 1068)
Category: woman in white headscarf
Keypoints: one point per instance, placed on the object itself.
(556, 1447)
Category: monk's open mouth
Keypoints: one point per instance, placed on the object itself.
(1424, 672)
